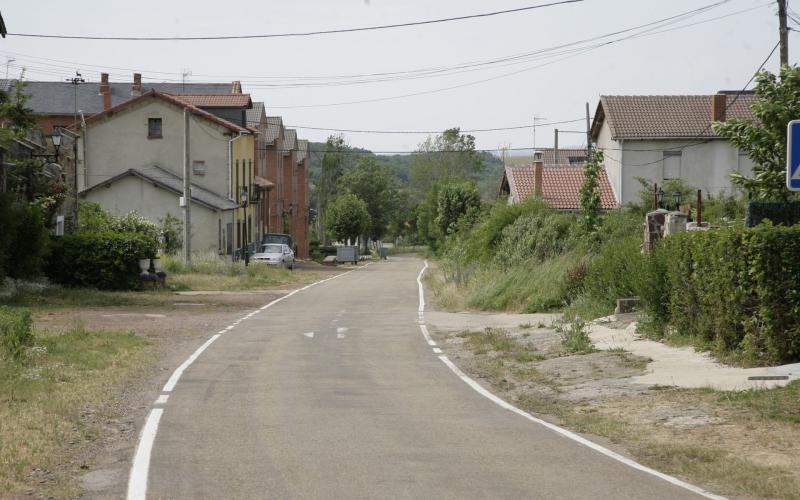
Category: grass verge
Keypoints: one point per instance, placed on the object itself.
(749, 450)
(44, 400)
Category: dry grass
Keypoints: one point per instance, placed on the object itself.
(44, 399)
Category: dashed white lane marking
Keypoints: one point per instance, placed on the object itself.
(137, 481)
(162, 399)
(559, 430)
(340, 335)
(341, 329)
(436, 350)
(309, 335)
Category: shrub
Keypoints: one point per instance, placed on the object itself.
(575, 336)
(779, 213)
(539, 236)
(24, 240)
(614, 272)
(736, 289)
(103, 260)
(16, 332)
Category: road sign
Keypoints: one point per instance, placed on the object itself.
(793, 156)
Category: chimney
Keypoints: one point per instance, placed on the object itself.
(236, 87)
(718, 107)
(555, 150)
(136, 88)
(538, 171)
(105, 91)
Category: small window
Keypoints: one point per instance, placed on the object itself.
(60, 225)
(198, 167)
(154, 128)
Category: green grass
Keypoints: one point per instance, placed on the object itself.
(781, 404)
(43, 397)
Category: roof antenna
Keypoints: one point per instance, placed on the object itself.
(184, 73)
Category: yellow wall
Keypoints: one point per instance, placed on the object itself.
(242, 174)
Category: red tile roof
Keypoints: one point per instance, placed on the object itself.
(171, 99)
(217, 100)
(564, 154)
(664, 116)
(561, 185)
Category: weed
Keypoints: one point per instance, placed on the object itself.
(575, 336)
(525, 326)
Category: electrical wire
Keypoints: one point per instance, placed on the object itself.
(496, 129)
(295, 34)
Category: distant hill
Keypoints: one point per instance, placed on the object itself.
(488, 182)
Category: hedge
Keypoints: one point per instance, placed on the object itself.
(103, 260)
(738, 289)
(779, 213)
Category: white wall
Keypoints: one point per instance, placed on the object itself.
(119, 142)
(153, 203)
(706, 166)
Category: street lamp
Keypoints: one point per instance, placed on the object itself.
(243, 197)
(676, 197)
(659, 197)
(56, 138)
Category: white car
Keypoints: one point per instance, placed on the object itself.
(275, 254)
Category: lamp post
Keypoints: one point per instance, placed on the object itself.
(56, 138)
(676, 197)
(244, 199)
(659, 198)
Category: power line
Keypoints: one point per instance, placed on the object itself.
(496, 129)
(337, 80)
(296, 34)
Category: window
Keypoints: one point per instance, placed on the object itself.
(672, 165)
(198, 167)
(154, 128)
(60, 225)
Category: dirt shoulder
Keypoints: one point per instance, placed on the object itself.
(94, 458)
(744, 444)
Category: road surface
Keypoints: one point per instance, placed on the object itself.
(334, 393)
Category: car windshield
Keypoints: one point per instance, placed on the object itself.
(271, 249)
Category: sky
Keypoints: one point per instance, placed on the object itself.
(716, 49)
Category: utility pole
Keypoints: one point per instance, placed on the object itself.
(784, 32)
(588, 135)
(187, 192)
(75, 81)
(9, 60)
(555, 148)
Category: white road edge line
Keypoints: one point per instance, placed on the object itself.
(560, 430)
(137, 481)
(427, 335)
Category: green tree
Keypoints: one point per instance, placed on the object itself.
(170, 234)
(377, 186)
(455, 200)
(764, 139)
(445, 157)
(590, 193)
(347, 217)
(332, 167)
(17, 117)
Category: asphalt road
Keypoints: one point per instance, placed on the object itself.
(361, 409)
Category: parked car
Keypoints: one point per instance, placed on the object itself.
(275, 254)
(279, 238)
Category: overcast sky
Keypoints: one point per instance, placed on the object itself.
(700, 59)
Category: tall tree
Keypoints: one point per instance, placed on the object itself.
(331, 169)
(455, 200)
(449, 156)
(764, 139)
(377, 186)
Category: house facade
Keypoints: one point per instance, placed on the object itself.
(657, 138)
(130, 157)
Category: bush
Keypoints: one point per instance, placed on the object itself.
(539, 236)
(615, 271)
(24, 240)
(16, 332)
(735, 289)
(103, 260)
(779, 213)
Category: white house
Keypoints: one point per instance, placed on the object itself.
(131, 158)
(665, 137)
